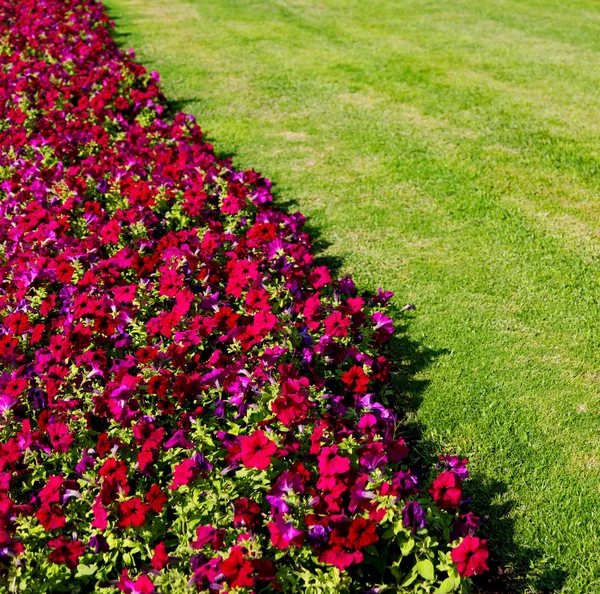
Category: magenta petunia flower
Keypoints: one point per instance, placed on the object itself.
(330, 464)
(143, 585)
(208, 535)
(283, 534)
(185, 473)
(471, 556)
(446, 490)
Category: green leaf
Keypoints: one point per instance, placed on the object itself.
(83, 570)
(425, 569)
(412, 576)
(407, 547)
(448, 585)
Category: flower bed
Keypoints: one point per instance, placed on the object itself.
(186, 399)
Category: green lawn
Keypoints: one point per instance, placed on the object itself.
(446, 150)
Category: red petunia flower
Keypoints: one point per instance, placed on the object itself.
(66, 551)
(160, 557)
(361, 534)
(337, 325)
(64, 272)
(51, 517)
(132, 512)
(18, 323)
(156, 499)
(446, 491)
(246, 513)
(256, 450)
(356, 379)
(237, 570)
(471, 556)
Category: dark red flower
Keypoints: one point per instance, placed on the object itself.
(51, 517)
(265, 570)
(66, 551)
(247, 513)
(132, 512)
(156, 499)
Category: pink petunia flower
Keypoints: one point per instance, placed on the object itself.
(471, 556)
(257, 450)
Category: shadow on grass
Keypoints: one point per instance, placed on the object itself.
(119, 38)
(175, 106)
(512, 568)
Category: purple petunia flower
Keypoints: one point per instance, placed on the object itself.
(413, 516)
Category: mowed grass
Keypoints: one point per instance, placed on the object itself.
(446, 150)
